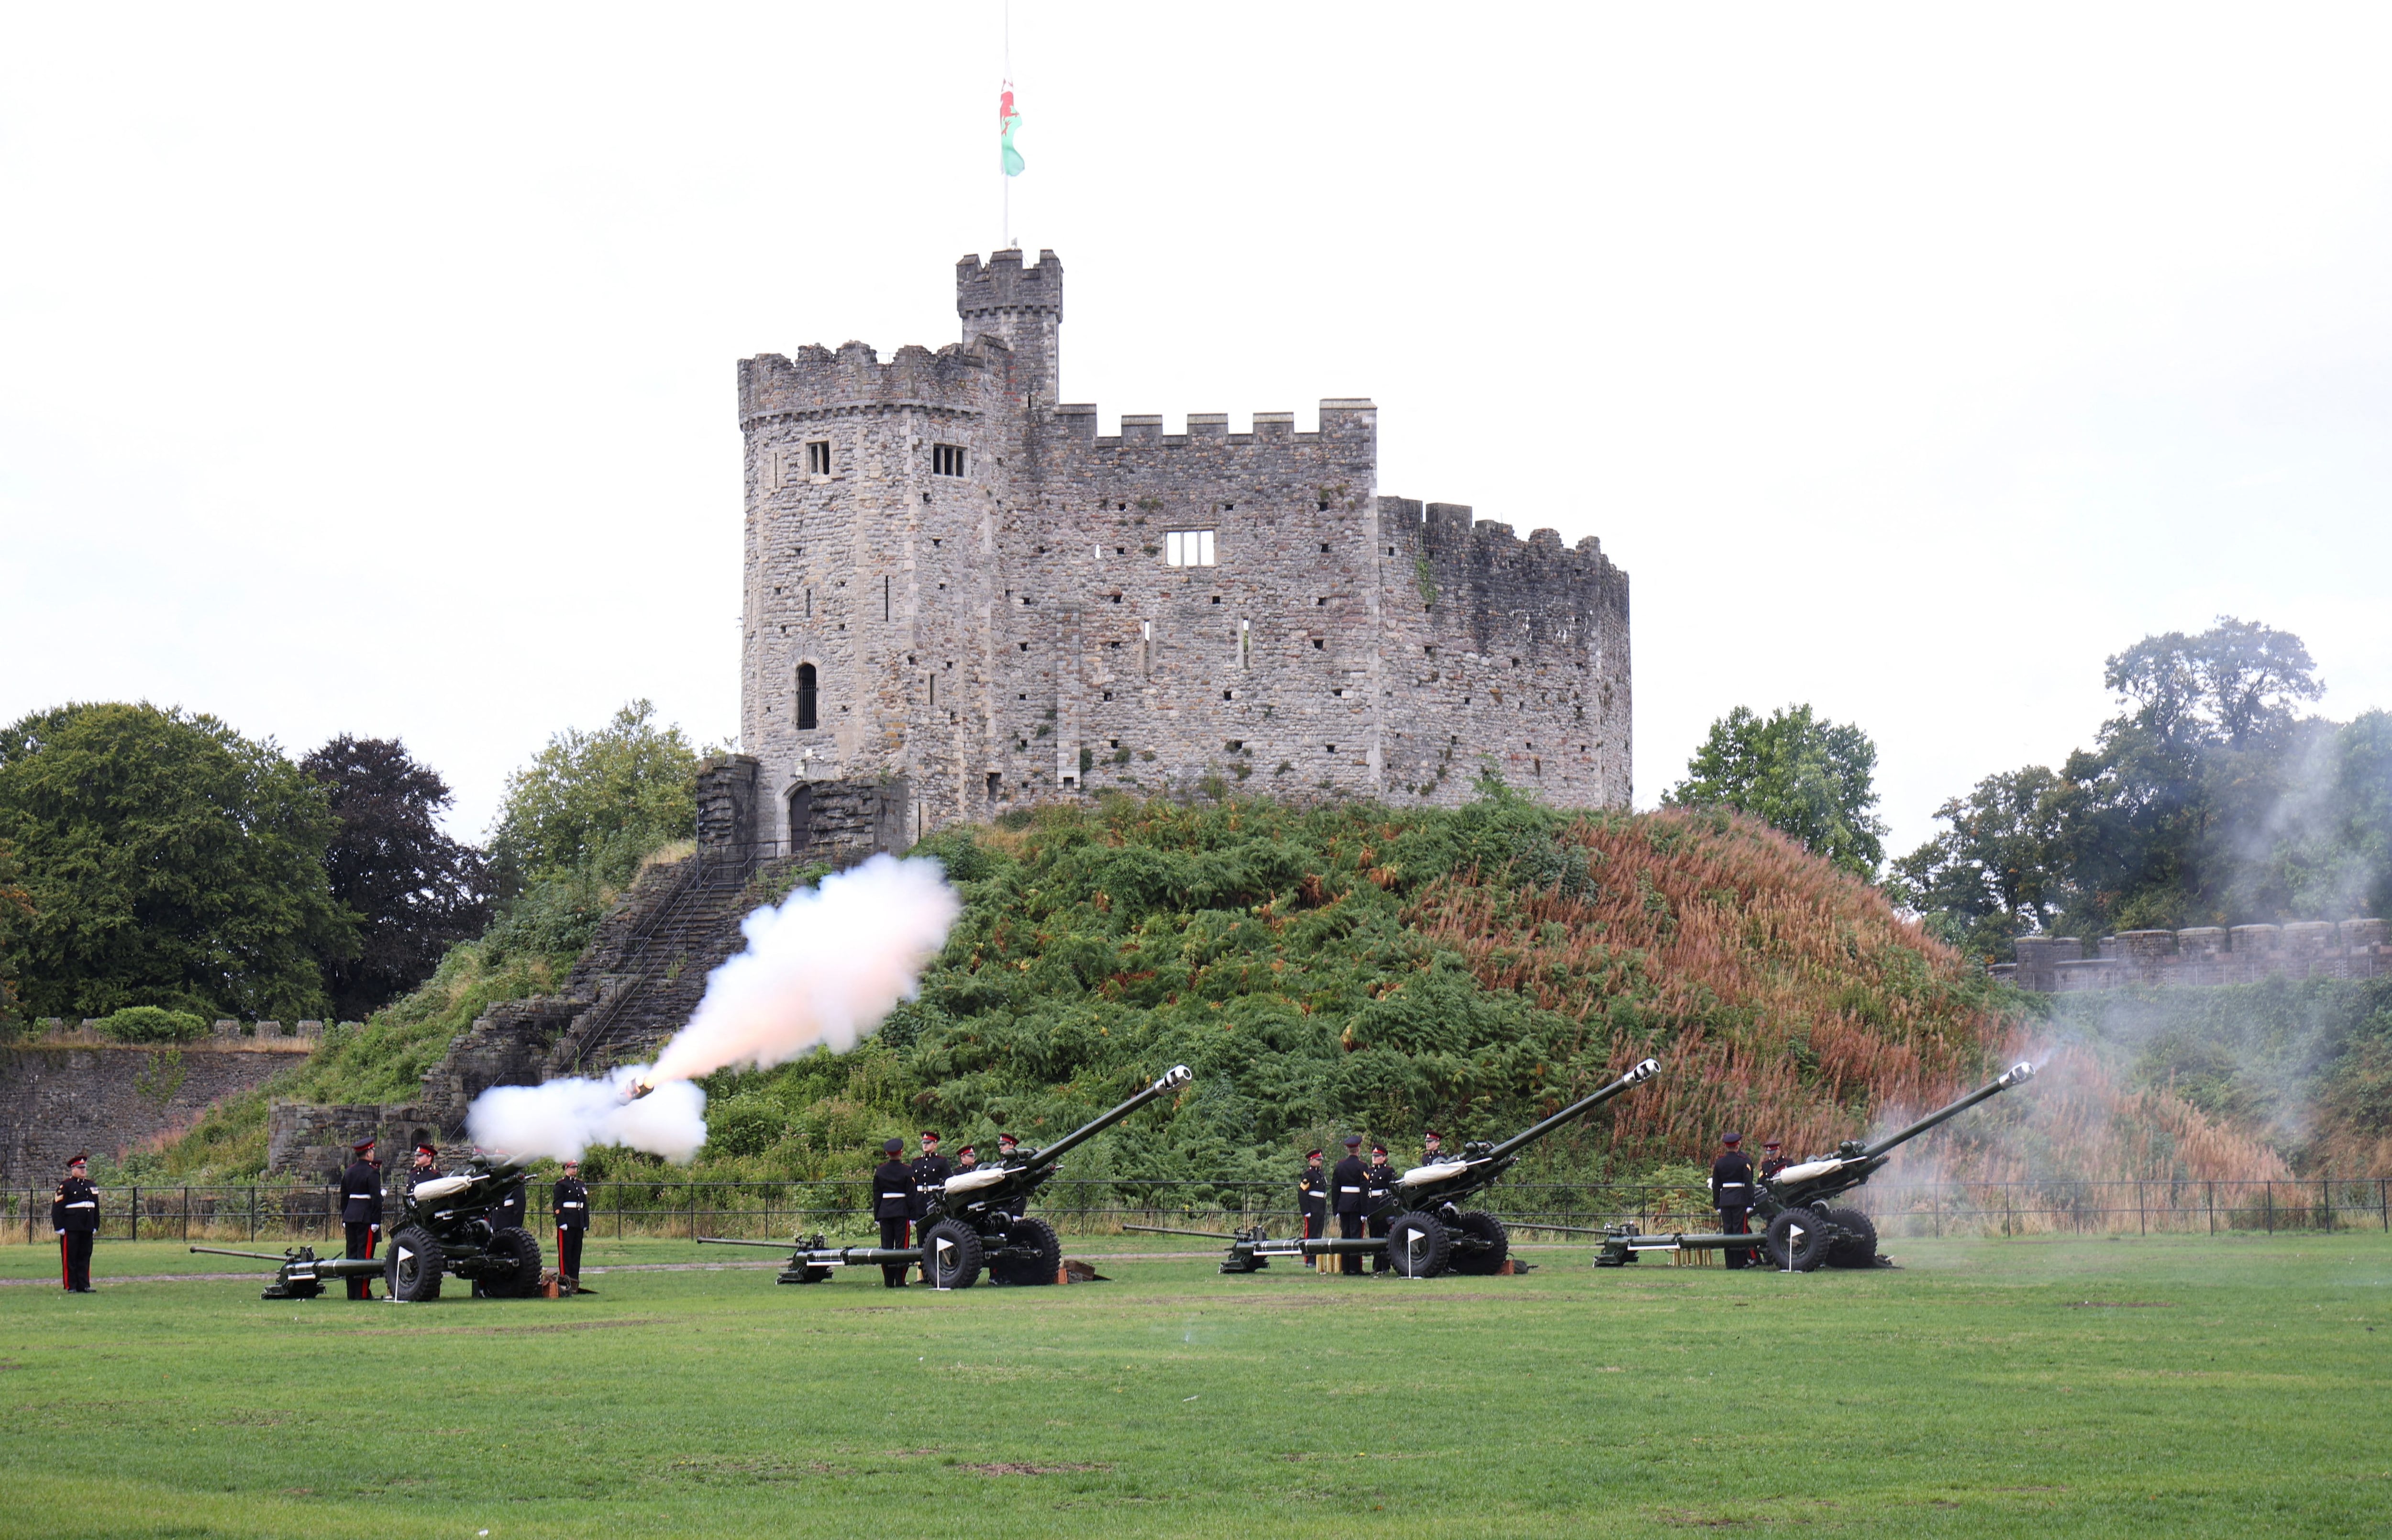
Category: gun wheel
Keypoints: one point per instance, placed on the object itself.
(951, 1253)
(1796, 1241)
(1036, 1254)
(416, 1263)
(1481, 1247)
(1857, 1245)
(1417, 1246)
(514, 1269)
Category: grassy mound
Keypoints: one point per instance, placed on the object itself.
(1351, 967)
(1356, 968)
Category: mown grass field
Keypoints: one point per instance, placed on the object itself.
(2166, 1386)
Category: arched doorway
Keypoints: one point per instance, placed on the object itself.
(801, 816)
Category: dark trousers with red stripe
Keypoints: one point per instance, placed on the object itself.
(1737, 1221)
(569, 1252)
(75, 1260)
(362, 1239)
(895, 1236)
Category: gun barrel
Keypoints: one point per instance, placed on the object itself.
(1521, 1141)
(769, 1246)
(1171, 1080)
(260, 1256)
(2013, 1076)
(1167, 1230)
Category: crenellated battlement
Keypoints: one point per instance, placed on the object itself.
(818, 379)
(1342, 420)
(1002, 283)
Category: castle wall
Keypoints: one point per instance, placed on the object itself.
(73, 1091)
(1015, 633)
(2208, 954)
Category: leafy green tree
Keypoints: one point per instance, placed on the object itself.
(168, 861)
(1806, 778)
(2208, 799)
(1994, 874)
(593, 803)
(415, 891)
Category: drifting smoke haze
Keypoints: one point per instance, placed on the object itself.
(821, 970)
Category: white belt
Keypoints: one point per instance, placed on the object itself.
(896, 1194)
(570, 1206)
(1349, 1189)
(84, 1203)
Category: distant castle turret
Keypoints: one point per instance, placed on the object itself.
(960, 599)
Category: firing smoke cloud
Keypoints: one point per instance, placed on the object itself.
(824, 967)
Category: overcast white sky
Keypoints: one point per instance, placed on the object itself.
(372, 371)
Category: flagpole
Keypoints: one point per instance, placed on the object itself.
(1008, 84)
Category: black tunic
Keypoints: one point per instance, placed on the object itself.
(571, 1204)
(1350, 1182)
(892, 1191)
(361, 1193)
(1731, 1182)
(75, 1210)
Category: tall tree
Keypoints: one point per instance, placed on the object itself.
(1809, 778)
(415, 892)
(169, 861)
(593, 803)
(2208, 799)
(1994, 874)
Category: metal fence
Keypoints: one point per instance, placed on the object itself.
(1096, 1207)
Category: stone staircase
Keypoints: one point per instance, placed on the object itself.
(633, 986)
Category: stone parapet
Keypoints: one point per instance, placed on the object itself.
(2204, 955)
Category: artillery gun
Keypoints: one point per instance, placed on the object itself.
(973, 1222)
(303, 1274)
(1428, 1231)
(443, 1226)
(1801, 1232)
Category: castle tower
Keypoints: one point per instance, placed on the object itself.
(1020, 307)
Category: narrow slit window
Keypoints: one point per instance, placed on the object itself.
(1187, 548)
(808, 695)
(946, 460)
(818, 458)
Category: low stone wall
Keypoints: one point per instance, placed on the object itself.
(72, 1091)
(307, 1142)
(2207, 955)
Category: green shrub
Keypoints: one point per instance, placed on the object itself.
(149, 1024)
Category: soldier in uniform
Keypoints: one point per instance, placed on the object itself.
(966, 1160)
(571, 1205)
(426, 1167)
(1312, 1197)
(892, 1205)
(1771, 1161)
(512, 1211)
(931, 1173)
(1433, 1147)
(75, 1214)
(362, 1210)
(1350, 1184)
(1732, 1195)
(1382, 1179)
(1008, 1148)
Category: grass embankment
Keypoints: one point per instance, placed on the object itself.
(1353, 967)
(2307, 1065)
(2160, 1387)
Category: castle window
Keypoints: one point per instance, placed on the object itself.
(807, 695)
(946, 460)
(1187, 548)
(818, 458)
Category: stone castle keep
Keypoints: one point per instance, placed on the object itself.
(960, 598)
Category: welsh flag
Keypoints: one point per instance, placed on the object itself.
(1009, 121)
